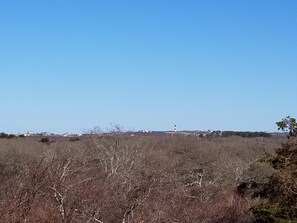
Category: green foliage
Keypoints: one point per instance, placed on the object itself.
(289, 125)
(7, 136)
(245, 134)
(268, 213)
(281, 190)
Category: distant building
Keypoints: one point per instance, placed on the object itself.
(29, 133)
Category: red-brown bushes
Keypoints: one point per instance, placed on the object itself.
(124, 179)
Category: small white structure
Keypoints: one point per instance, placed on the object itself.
(29, 133)
(174, 128)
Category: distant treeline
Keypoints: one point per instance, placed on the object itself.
(245, 134)
(8, 136)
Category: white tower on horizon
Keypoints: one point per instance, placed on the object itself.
(174, 128)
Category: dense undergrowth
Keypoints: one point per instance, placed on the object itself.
(280, 193)
(131, 179)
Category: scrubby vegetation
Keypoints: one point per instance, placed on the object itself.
(116, 177)
(245, 134)
(7, 136)
(45, 140)
(74, 139)
(280, 193)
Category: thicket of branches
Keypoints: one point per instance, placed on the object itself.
(126, 179)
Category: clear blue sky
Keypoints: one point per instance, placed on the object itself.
(69, 65)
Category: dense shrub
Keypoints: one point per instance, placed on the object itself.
(45, 140)
(246, 134)
(281, 191)
(73, 139)
(7, 136)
